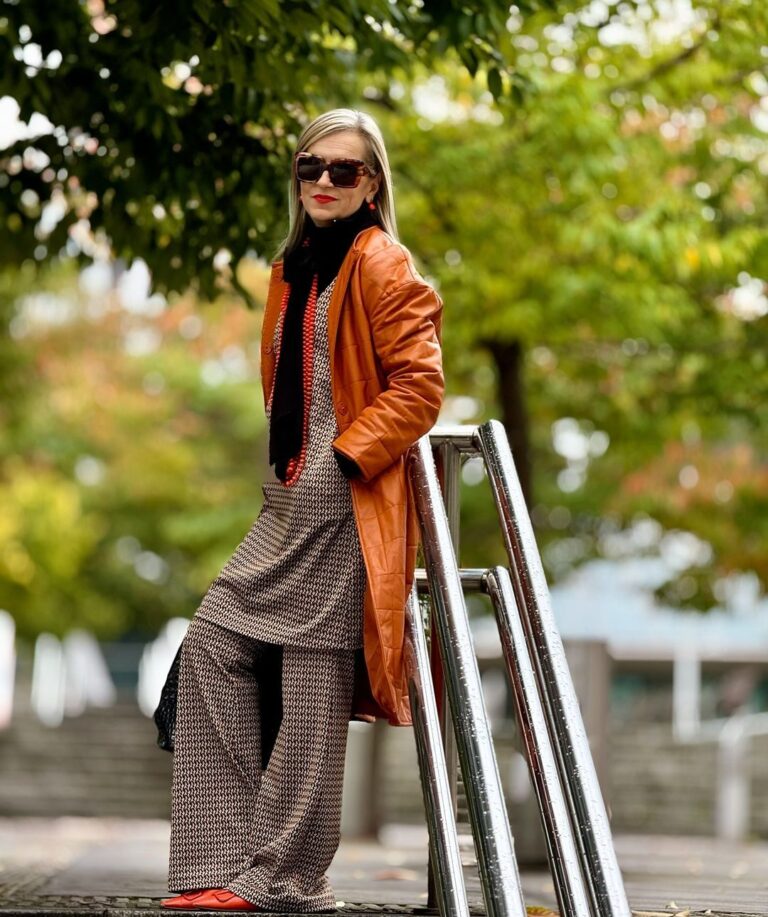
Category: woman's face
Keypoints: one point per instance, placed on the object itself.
(321, 199)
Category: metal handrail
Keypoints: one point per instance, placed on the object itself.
(487, 809)
(732, 736)
(562, 850)
(583, 862)
(443, 838)
(589, 818)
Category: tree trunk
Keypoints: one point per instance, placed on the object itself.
(508, 357)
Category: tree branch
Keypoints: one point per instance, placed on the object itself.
(239, 288)
(664, 66)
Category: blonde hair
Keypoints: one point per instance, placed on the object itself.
(342, 119)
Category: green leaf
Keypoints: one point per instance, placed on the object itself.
(494, 82)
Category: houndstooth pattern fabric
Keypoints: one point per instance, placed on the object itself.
(267, 835)
(298, 576)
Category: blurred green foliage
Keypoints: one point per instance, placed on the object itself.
(611, 227)
(135, 460)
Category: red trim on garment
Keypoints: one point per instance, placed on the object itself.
(296, 464)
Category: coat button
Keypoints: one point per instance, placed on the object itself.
(342, 408)
(267, 348)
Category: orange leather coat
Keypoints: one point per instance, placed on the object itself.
(384, 332)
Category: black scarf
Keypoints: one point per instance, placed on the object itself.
(323, 254)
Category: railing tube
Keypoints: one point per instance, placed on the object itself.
(445, 857)
(564, 860)
(448, 470)
(577, 770)
(487, 809)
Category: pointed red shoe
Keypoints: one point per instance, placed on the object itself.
(222, 899)
(187, 900)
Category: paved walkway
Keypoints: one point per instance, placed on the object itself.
(73, 866)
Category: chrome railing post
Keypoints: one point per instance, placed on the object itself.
(448, 470)
(564, 859)
(577, 771)
(444, 854)
(487, 808)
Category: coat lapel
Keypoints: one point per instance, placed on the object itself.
(272, 311)
(339, 292)
(271, 314)
(334, 306)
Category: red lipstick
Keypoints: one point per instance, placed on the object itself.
(323, 198)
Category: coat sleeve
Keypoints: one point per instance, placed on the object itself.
(405, 320)
(348, 468)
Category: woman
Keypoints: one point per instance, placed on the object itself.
(307, 616)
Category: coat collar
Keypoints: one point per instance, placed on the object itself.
(277, 287)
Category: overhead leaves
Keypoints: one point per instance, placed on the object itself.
(173, 122)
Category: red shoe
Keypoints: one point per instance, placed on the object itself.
(187, 900)
(222, 899)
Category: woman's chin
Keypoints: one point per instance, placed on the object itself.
(324, 214)
(320, 219)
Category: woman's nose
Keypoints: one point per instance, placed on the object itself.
(325, 179)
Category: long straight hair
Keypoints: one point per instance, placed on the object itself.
(342, 119)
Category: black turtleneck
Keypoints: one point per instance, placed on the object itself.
(321, 252)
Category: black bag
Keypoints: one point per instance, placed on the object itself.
(165, 714)
(269, 677)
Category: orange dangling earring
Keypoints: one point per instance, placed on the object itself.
(371, 206)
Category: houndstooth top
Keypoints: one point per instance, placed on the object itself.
(298, 576)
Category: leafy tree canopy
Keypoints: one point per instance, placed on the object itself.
(170, 123)
(610, 230)
(134, 465)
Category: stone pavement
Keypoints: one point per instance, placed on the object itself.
(114, 867)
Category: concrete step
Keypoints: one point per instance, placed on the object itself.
(103, 762)
(89, 751)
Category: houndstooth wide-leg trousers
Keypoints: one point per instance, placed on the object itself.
(270, 834)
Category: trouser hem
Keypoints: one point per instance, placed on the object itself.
(311, 905)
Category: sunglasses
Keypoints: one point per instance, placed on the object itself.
(343, 173)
